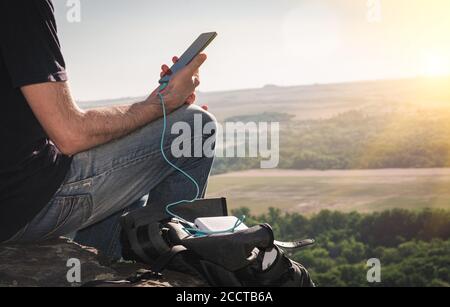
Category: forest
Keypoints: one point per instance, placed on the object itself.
(356, 139)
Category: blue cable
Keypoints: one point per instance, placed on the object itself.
(168, 208)
(199, 232)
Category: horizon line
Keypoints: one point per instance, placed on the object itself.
(282, 86)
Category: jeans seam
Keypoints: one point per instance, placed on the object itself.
(18, 236)
(61, 224)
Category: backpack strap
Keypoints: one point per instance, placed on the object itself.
(295, 244)
(164, 260)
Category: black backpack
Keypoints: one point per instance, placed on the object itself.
(250, 257)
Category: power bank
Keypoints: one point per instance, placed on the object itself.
(215, 224)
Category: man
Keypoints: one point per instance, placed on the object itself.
(66, 170)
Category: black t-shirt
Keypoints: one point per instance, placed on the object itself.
(31, 167)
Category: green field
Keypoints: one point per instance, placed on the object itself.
(309, 192)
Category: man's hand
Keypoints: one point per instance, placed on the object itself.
(165, 70)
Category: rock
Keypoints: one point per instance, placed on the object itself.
(48, 265)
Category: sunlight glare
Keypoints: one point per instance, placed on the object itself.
(435, 65)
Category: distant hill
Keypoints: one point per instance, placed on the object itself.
(320, 100)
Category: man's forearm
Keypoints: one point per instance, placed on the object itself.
(74, 130)
(102, 125)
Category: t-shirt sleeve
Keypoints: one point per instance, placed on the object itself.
(29, 42)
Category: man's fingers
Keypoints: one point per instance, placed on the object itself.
(191, 99)
(175, 59)
(165, 70)
(196, 73)
(205, 107)
(196, 63)
(196, 76)
(196, 82)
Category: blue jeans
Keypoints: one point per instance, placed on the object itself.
(107, 181)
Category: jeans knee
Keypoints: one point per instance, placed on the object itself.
(209, 129)
(195, 123)
(198, 118)
(210, 124)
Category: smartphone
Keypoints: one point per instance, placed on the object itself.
(195, 49)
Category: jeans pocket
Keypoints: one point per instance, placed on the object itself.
(73, 212)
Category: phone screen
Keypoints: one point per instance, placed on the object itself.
(196, 48)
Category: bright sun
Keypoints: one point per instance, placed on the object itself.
(435, 65)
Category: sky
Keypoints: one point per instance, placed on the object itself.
(118, 47)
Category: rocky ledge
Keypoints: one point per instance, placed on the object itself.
(62, 263)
